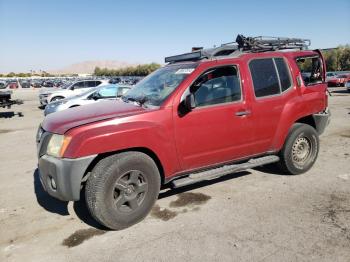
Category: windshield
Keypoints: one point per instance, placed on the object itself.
(156, 87)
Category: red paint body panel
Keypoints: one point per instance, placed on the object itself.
(205, 136)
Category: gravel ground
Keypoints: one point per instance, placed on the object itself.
(255, 215)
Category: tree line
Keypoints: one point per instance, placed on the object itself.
(338, 59)
(140, 70)
(12, 75)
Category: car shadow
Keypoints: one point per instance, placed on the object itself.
(83, 213)
(59, 207)
(271, 169)
(46, 201)
(10, 114)
(340, 92)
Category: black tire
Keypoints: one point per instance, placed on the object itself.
(112, 181)
(300, 149)
(56, 98)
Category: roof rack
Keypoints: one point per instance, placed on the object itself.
(242, 44)
(269, 43)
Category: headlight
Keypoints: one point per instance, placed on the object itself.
(57, 145)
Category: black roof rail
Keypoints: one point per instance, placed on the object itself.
(242, 44)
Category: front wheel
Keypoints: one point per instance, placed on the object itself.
(300, 149)
(122, 189)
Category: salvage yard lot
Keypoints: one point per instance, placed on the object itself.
(256, 215)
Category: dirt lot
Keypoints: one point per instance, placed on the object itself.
(250, 216)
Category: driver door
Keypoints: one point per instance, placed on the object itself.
(218, 129)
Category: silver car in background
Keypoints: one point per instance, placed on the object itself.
(93, 95)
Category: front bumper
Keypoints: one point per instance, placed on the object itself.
(61, 177)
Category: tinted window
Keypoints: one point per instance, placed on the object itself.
(79, 85)
(264, 77)
(220, 85)
(283, 73)
(90, 84)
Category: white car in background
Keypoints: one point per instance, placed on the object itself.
(69, 90)
(91, 96)
(347, 85)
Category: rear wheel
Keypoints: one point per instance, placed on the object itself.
(300, 150)
(122, 189)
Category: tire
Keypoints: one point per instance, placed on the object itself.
(122, 189)
(300, 149)
(56, 98)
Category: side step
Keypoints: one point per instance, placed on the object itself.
(222, 171)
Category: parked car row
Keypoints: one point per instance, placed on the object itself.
(50, 95)
(58, 82)
(334, 79)
(89, 96)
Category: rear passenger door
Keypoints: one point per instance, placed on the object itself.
(271, 84)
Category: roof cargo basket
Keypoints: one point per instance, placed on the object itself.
(242, 44)
(268, 43)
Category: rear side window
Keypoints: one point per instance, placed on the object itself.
(283, 73)
(264, 76)
(271, 76)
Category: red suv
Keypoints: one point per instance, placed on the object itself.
(205, 114)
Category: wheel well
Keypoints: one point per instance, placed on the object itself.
(309, 120)
(144, 150)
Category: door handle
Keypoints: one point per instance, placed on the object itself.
(243, 113)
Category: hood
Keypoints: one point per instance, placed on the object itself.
(60, 122)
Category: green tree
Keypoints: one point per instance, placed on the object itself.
(139, 70)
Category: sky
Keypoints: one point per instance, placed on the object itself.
(49, 35)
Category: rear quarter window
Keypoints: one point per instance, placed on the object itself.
(284, 73)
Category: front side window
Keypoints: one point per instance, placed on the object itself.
(91, 84)
(78, 85)
(216, 86)
(155, 88)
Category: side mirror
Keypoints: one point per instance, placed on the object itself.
(189, 102)
(94, 96)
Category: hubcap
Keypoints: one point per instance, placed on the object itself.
(301, 150)
(130, 191)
